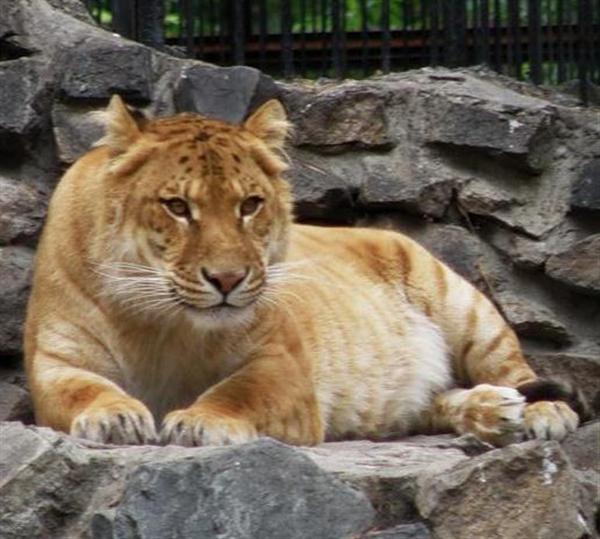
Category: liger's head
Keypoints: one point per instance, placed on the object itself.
(199, 211)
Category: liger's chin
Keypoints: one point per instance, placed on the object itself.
(220, 317)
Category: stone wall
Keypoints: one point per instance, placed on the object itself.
(499, 178)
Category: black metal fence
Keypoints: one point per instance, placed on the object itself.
(544, 41)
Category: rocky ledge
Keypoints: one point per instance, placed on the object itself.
(55, 486)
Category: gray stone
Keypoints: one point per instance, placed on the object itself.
(22, 210)
(524, 490)
(53, 486)
(12, 372)
(73, 8)
(101, 67)
(263, 489)
(15, 403)
(583, 447)
(388, 472)
(529, 318)
(75, 130)
(578, 266)
(582, 369)
(522, 251)
(48, 484)
(23, 89)
(498, 122)
(16, 265)
(321, 189)
(225, 93)
(586, 191)
(393, 181)
(339, 118)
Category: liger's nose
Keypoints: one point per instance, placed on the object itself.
(225, 281)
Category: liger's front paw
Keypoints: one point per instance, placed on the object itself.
(120, 423)
(549, 420)
(494, 414)
(195, 427)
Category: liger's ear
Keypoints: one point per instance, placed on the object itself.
(269, 123)
(122, 130)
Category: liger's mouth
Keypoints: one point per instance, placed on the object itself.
(222, 307)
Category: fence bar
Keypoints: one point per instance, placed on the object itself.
(324, 37)
(287, 42)
(336, 39)
(385, 36)
(534, 24)
(303, 37)
(454, 23)
(123, 20)
(188, 24)
(485, 30)
(514, 18)
(584, 46)
(364, 34)
(434, 36)
(201, 20)
(262, 33)
(238, 39)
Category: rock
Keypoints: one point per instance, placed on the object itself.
(53, 486)
(12, 372)
(45, 32)
(394, 182)
(483, 199)
(73, 8)
(586, 191)
(524, 490)
(16, 265)
(263, 489)
(15, 400)
(502, 124)
(529, 318)
(225, 93)
(22, 210)
(522, 251)
(339, 118)
(582, 369)
(387, 472)
(321, 189)
(101, 67)
(15, 403)
(48, 483)
(578, 266)
(404, 531)
(75, 130)
(23, 89)
(583, 447)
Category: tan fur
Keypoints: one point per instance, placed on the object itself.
(331, 333)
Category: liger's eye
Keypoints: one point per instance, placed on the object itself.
(177, 207)
(251, 205)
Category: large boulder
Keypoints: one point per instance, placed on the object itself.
(54, 487)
